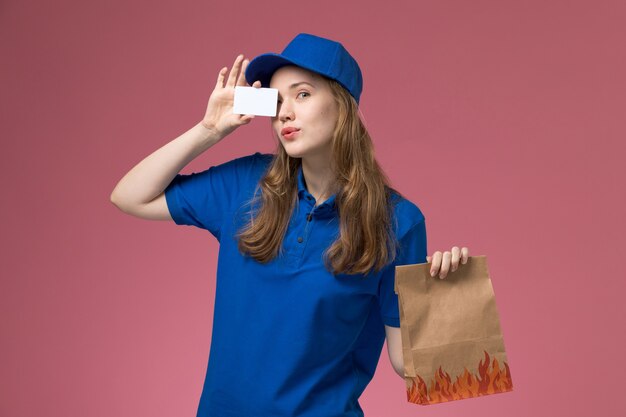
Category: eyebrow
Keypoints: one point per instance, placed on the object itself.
(294, 85)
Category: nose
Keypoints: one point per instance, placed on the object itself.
(285, 111)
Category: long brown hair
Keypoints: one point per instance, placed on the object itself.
(363, 198)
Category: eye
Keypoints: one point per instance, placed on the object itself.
(303, 92)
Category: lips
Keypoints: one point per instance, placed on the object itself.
(288, 130)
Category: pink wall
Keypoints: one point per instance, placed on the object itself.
(500, 119)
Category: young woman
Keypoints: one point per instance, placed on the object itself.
(309, 239)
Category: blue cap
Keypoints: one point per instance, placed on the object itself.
(323, 56)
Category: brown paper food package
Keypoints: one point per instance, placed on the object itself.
(452, 344)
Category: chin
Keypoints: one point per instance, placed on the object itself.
(294, 153)
(293, 149)
(299, 149)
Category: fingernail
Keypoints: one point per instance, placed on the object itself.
(432, 273)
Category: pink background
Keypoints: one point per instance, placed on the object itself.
(502, 120)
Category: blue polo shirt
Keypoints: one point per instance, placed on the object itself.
(289, 338)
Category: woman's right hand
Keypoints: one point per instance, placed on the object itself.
(219, 116)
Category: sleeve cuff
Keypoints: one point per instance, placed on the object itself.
(173, 206)
(392, 321)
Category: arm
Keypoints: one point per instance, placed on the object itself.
(412, 250)
(394, 348)
(141, 191)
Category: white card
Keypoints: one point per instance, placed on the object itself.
(257, 101)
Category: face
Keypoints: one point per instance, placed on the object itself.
(306, 104)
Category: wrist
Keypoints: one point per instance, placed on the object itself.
(210, 132)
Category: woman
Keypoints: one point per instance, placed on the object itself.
(309, 238)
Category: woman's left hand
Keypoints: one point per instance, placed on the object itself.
(447, 261)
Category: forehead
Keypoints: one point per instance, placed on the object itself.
(286, 75)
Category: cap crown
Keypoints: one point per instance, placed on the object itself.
(317, 54)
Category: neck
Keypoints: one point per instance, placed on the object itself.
(319, 177)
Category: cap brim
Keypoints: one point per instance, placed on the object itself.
(263, 67)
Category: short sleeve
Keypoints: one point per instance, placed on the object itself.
(206, 199)
(412, 250)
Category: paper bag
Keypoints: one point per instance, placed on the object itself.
(452, 344)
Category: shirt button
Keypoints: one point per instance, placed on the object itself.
(299, 239)
(309, 217)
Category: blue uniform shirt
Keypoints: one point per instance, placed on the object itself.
(289, 337)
